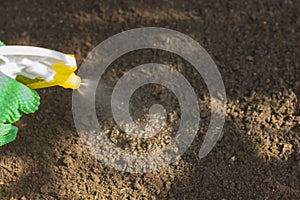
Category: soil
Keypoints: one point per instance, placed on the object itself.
(256, 48)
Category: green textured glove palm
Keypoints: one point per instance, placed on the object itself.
(15, 99)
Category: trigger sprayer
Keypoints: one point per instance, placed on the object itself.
(38, 67)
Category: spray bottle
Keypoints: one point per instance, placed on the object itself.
(38, 67)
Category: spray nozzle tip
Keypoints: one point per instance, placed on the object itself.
(72, 82)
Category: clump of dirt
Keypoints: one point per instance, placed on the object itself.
(269, 121)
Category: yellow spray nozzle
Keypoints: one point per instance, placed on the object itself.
(64, 77)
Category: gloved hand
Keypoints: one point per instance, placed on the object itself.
(15, 99)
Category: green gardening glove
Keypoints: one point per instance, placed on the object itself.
(15, 99)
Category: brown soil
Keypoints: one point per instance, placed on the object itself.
(256, 47)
